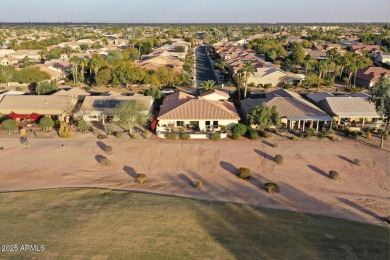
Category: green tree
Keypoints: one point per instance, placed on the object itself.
(7, 73)
(114, 56)
(82, 126)
(46, 123)
(132, 54)
(130, 113)
(154, 92)
(125, 73)
(104, 77)
(96, 63)
(380, 96)
(31, 74)
(83, 64)
(264, 117)
(9, 125)
(46, 87)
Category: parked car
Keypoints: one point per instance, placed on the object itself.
(167, 91)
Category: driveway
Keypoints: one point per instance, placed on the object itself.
(204, 70)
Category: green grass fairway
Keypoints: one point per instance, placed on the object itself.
(105, 224)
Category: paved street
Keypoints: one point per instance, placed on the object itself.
(204, 69)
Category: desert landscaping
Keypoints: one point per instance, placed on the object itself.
(361, 194)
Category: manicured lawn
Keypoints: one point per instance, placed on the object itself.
(86, 223)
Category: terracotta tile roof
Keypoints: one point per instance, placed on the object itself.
(372, 74)
(181, 106)
(360, 48)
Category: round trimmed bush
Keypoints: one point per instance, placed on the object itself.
(185, 136)
(235, 135)
(294, 138)
(357, 162)
(215, 136)
(252, 134)
(46, 123)
(171, 136)
(271, 187)
(197, 184)
(279, 159)
(334, 175)
(118, 134)
(141, 178)
(244, 173)
(275, 145)
(240, 128)
(108, 149)
(101, 136)
(105, 162)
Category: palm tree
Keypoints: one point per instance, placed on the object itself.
(360, 64)
(207, 85)
(248, 69)
(238, 77)
(75, 62)
(96, 63)
(83, 64)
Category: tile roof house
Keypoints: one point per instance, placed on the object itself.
(102, 108)
(382, 59)
(197, 113)
(317, 55)
(349, 107)
(368, 48)
(214, 94)
(156, 62)
(369, 76)
(73, 92)
(274, 76)
(294, 110)
(55, 106)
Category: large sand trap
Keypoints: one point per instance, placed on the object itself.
(362, 194)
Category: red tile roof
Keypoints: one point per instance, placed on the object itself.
(372, 74)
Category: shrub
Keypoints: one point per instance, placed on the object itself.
(354, 135)
(357, 162)
(46, 123)
(9, 125)
(171, 136)
(279, 159)
(324, 133)
(147, 134)
(101, 136)
(141, 178)
(95, 131)
(215, 136)
(82, 126)
(252, 134)
(271, 187)
(334, 175)
(294, 138)
(368, 135)
(197, 184)
(268, 85)
(223, 128)
(118, 134)
(275, 145)
(185, 136)
(65, 131)
(240, 128)
(109, 129)
(310, 132)
(235, 135)
(105, 162)
(107, 149)
(380, 131)
(265, 134)
(244, 173)
(347, 132)
(19, 89)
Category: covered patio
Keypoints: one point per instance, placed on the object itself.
(302, 123)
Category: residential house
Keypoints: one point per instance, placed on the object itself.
(195, 114)
(7, 61)
(57, 70)
(350, 111)
(365, 48)
(369, 76)
(58, 107)
(156, 62)
(102, 108)
(315, 54)
(21, 54)
(5, 52)
(274, 76)
(382, 59)
(296, 113)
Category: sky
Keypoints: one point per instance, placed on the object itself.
(195, 11)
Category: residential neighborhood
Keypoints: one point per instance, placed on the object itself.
(151, 132)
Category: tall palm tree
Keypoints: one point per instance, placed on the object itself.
(96, 63)
(75, 62)
(238, 77)
(83, 64)
(248, 69)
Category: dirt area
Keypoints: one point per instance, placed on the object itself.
(362, 193)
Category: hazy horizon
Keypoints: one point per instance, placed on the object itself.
(201, 11)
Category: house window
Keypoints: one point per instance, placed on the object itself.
(215, 123)
(207, 123)
(179, 123)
